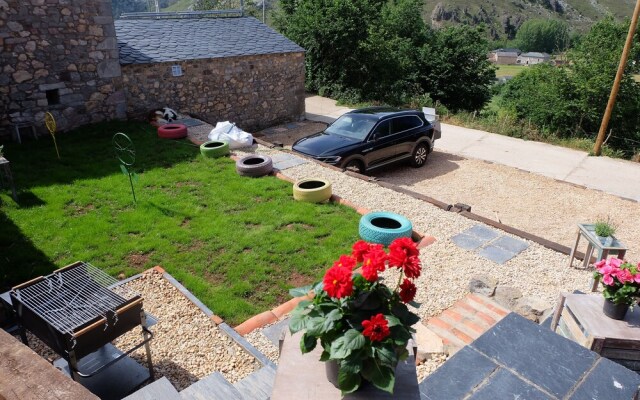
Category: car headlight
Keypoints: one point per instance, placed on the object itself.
(329, 159)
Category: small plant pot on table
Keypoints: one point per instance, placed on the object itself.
(312, 190)
(384, 227)
(214, 149)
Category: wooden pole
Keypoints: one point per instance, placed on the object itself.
(597, 148)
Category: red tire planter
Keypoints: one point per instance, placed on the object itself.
(172, 131)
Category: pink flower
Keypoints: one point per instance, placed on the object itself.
(624, 276)
(607, 280)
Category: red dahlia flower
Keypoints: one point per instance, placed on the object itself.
(360, 248)
(405, 245)
(407, 291)
(376, 328)
(345, 261)
(338, 282)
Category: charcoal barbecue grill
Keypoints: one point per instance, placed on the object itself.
(78, 309)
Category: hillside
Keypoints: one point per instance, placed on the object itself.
(504, 17)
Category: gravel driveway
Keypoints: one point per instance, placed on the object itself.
(530, 202)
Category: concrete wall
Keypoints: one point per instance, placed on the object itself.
(65, 47)
(253, 91)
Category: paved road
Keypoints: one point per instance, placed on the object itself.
(613, 176)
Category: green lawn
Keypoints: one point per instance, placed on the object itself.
(237, 243)
(509, 70)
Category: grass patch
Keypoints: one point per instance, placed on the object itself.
(180, 5)
(237, 243)
(509, 70)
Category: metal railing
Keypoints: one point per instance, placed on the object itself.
(236, 12)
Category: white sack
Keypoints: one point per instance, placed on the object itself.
(230, 133)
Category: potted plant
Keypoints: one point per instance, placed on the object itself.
(605, 229)
(621, 281)
(362, 325)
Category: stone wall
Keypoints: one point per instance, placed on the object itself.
(59, 56)
(253, 91)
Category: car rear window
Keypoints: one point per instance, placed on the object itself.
(405, 123)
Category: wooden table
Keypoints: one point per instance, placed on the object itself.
(588, 231)
(580, 318)
(302, 377)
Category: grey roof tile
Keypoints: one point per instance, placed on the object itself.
(143, 41)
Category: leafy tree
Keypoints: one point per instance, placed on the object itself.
(124, 6)
(382, 50)
(543, 35)
(543, 95)
(457, 72)
(594, 64)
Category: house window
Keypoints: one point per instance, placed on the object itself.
(176, 70)
(53, 97)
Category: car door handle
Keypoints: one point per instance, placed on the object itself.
(367, 150)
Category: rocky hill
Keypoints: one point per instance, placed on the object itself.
(503, 17)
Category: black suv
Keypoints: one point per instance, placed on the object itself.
(369, 138)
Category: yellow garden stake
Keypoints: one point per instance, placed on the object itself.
(50, 122)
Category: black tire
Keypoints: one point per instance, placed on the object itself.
(214, 149)
(254, 165)
(419, 155)
(355, 166)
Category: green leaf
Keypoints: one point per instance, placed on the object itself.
(307, 343)
(325, 356)
(301, 291)
(414, 304)
(342, 347)
(352, 366)
(315, 326)
(393, 321)
(134, 177)
(382, 377)
(319, 287)
(348, 382)
(297, 323)
(124, 170)
(330, 320)
(386, 355)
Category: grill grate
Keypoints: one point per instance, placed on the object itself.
(72, 297)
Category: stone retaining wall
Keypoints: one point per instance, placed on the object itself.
(59, 56)
(255, 91)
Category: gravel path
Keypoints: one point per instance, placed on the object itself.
(187, 344)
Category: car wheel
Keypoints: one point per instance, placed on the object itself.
(384, 227)
(312, 190)
(419, 156)
(214, 149)
(355, 166)
(254, 166)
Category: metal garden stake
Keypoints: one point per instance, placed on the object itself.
(126, 154)
(50, 122)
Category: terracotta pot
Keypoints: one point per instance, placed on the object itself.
(614, 311)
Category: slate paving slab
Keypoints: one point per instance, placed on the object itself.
(489, 244)
(518, 359)
(283, 161)
(273, 332)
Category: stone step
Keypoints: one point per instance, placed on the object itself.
(466, 321)
(161, 389)
(258, 385)
(212, 387)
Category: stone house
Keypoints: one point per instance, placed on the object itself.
(235, 69)
(533, 58)
(58, 56)
(504, 56)
(64, 57)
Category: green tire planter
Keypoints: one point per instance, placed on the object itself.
(214, 149)
(312, 190)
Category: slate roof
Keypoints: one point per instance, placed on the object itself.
(535, 55)
(145, 41)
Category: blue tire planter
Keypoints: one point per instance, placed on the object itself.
(384, 227)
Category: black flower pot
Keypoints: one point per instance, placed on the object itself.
(613, 310)
(331, 368)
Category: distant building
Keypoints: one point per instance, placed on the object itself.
(533, 58)
(504, 56)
